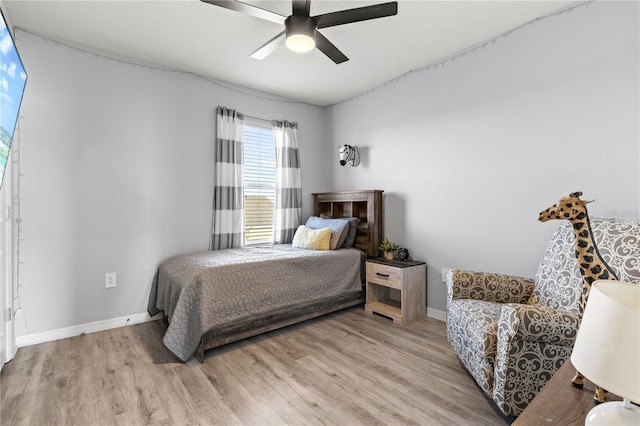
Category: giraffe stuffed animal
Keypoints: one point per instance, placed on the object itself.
(592, 265)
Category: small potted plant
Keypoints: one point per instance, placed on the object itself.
(388, 248)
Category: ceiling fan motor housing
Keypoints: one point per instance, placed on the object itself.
(299, 24)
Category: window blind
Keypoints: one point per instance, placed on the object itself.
(259, 183)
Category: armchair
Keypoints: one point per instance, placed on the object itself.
(513, 333)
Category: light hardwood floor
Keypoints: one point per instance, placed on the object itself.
(346, 368)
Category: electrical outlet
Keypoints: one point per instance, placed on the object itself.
(445, 271)
(110, 280)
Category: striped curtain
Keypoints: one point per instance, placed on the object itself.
(288, 213)
(227, 230)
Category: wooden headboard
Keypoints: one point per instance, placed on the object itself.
(365, 205)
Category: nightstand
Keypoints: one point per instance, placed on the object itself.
(407, 281)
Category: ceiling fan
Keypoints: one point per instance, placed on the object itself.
(300, 33)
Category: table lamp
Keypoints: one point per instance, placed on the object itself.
(607, 350)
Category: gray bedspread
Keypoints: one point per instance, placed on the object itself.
(202, 291)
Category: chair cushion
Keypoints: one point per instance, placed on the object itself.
(558, 280)
(472, 328)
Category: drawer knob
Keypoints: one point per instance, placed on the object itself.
(382, 275)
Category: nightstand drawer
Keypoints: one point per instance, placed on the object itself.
(384, 275)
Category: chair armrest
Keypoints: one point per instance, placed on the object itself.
(538, 324)
(533, 342)
(488, 287)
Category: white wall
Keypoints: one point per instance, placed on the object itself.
(117, 176)
(116, 158)
(470, 152)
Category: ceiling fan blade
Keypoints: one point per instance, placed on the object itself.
(356, 15)
(248, 9)
(269, 47)
(301, 7)
(326, 47)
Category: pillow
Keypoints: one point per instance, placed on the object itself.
(312, 239)
(339, 229)
(353, 230)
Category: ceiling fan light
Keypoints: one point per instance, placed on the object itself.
(300, 42)
(301, 31)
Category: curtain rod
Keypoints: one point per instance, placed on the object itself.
(272, 122)
(258, 118)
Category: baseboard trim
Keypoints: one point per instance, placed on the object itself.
(76, 330)
(436, 314)
(92, 327)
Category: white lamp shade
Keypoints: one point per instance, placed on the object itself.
(607, 348)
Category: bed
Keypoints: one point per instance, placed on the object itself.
(213, 298)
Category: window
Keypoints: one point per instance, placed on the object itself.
(259, 182)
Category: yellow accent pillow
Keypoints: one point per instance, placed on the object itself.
(312, 239)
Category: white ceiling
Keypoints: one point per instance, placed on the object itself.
(215, 42)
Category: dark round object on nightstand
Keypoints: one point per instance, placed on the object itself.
(403, 254)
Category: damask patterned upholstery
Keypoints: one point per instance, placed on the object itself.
(480, 340)
(513, 333)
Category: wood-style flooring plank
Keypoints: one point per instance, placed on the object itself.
(346, 368)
